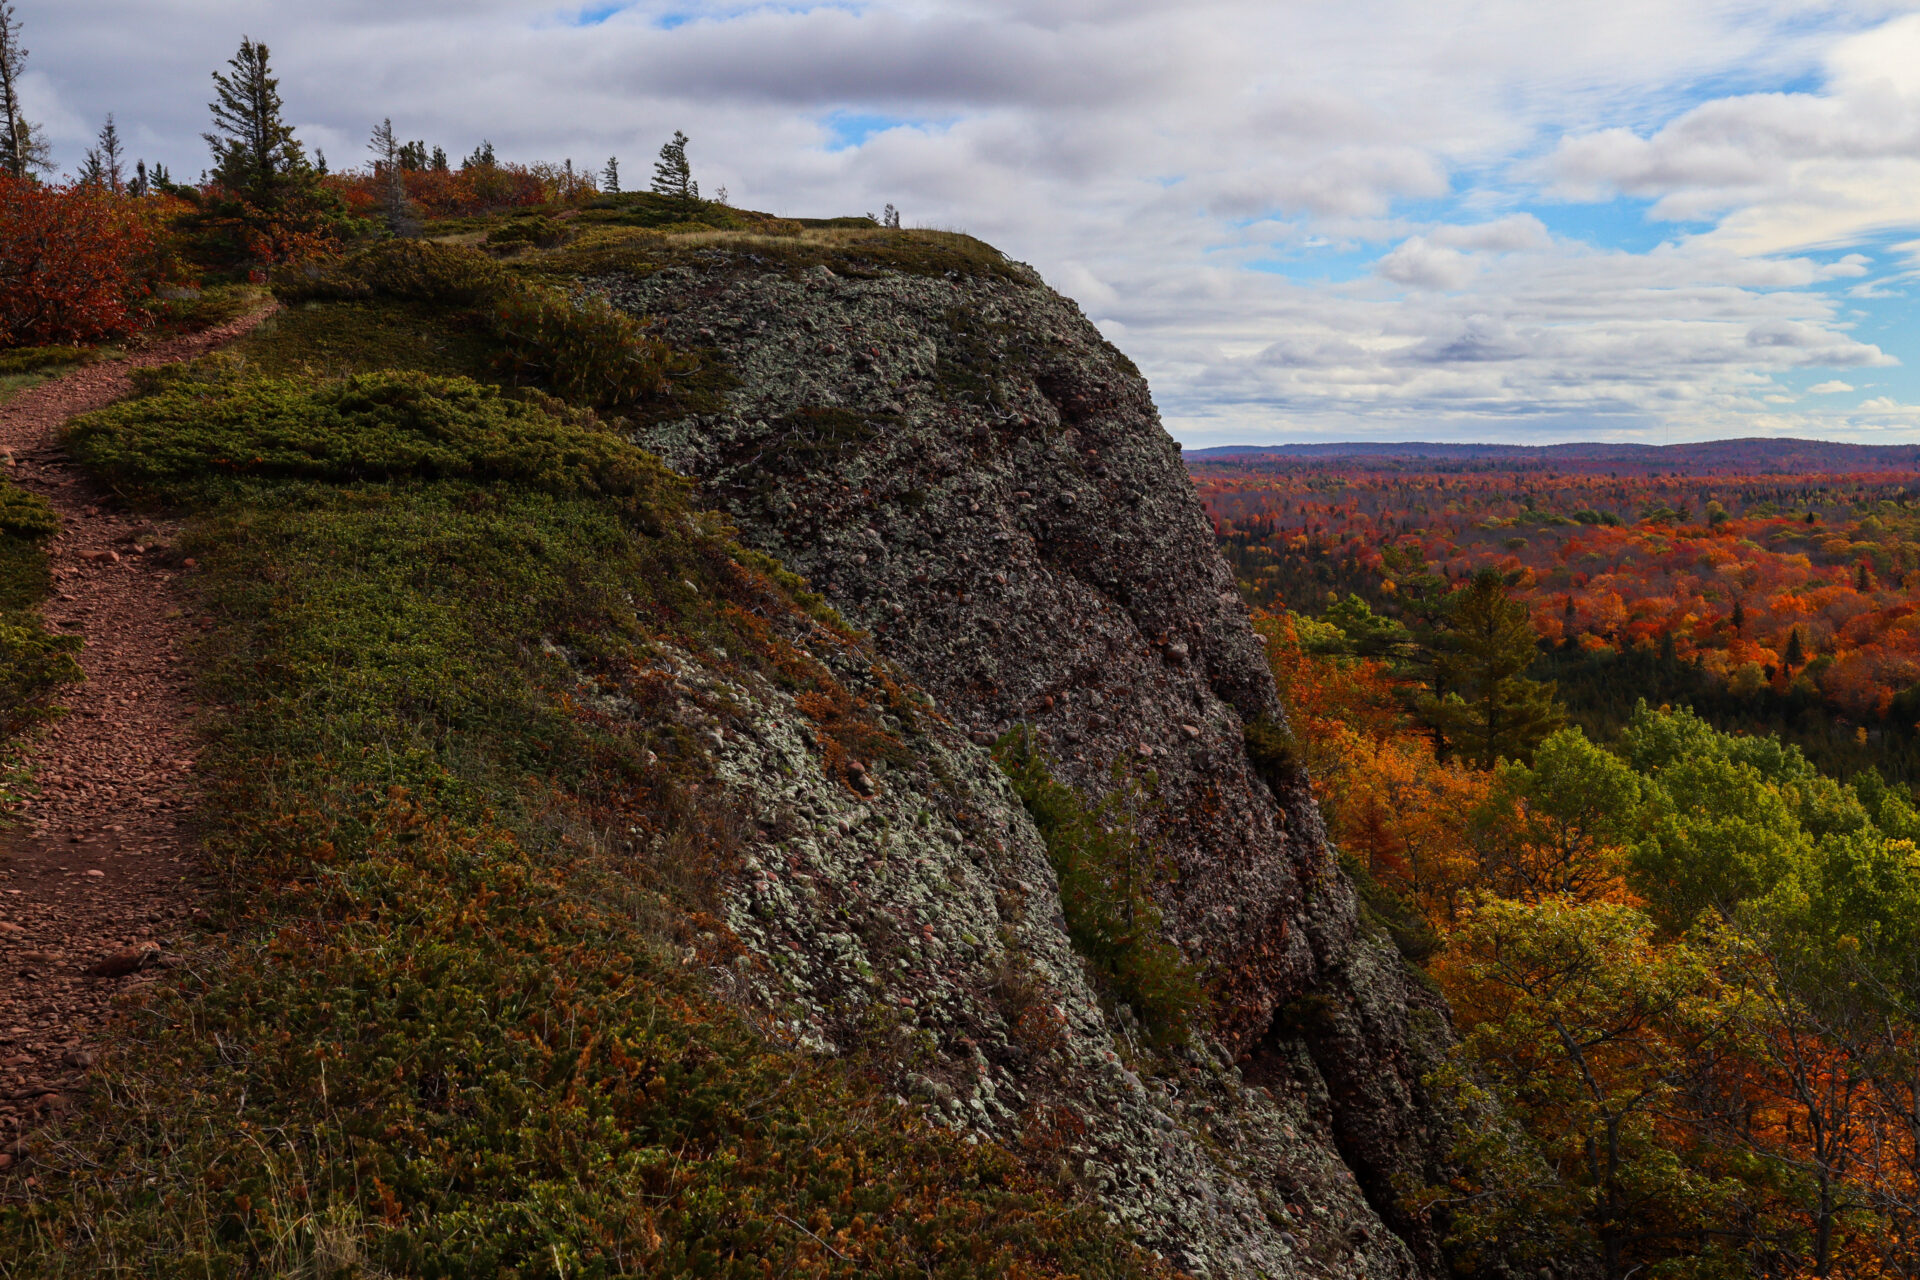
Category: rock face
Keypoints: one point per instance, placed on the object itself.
(969, 471)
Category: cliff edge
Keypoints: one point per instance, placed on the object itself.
(967, 469)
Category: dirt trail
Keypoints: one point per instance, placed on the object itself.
(94, 875)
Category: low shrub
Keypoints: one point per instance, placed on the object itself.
(529, 233)
(34, 359)
(1107, 872)
(575, 344)
(34, 664)
(1274, 754)
(184, 435)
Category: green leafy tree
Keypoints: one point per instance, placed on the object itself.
(1589, 1030)
(1362, 632)
(1480, 704)
(255, 154)
(1562, 826)
(24, 152)
(673, 176)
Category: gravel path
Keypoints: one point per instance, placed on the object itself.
(95, 879)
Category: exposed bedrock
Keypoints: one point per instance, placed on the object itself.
(966, 468)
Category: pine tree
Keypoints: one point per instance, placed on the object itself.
(389, 166)
(1481, 705)
(439, 161)
(610, 176)
(24, 152)
(673, 176)
(1739, 617)
(139, 186)
(1795, 654)
(482, 157)
(255, 154)
(108, 158)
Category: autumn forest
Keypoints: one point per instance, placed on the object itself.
(1620, 745)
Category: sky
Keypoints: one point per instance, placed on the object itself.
(1496, 220)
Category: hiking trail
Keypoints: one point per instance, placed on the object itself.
(96, 874)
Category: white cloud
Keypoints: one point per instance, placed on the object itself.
(1833, 386)
(1426, 266)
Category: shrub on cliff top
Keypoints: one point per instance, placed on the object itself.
(384, 426)
(576, 344)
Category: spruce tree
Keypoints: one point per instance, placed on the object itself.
(255, 154)
(107, 158)
(24, 152)
(1482, 705)
(673, 176)
(1795, 654)
(610, 176)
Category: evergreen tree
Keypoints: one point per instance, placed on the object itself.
(610, 176)
(139, 186)
(439, 161)
(24, 152)
(106, 160)
(673, 176)
(255, 154)
(1739, 618)
(1481, 705)
(482, 157)
(1795, 654)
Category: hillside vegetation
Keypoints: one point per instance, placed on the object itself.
(469, 646)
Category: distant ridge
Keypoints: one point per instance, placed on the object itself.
(1746, 456)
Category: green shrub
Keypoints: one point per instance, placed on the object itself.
(34, 664)
(1387, 913)
(34, 359)
(407, 270)
(523, 233)
(576, 344)
(188, 434)
(1107, 873)
(581, 346)
(1274, 753)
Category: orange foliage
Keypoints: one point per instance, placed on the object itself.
(74, 262)
(1386, 798)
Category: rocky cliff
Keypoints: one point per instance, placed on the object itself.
(958, 460)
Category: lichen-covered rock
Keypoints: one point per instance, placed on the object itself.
(970, 472)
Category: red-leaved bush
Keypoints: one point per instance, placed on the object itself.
(74, 261)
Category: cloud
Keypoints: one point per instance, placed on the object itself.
(1426, 266)
(1512, 233)
(1833, 386)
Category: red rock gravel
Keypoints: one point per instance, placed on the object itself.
(96, 886)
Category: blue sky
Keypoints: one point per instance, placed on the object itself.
(1497, 220)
